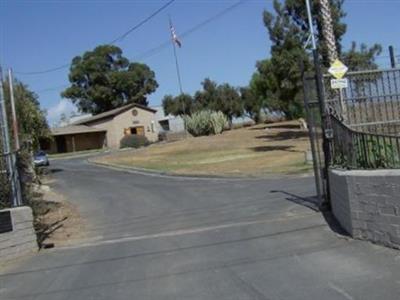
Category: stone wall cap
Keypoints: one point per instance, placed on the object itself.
(381, 172)
(17, 209)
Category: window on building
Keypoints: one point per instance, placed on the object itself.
(164, 125)
(139, 130)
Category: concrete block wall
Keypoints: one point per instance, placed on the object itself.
(367, 204)
(22, 239)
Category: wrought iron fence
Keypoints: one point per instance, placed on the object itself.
(365, 120)
(352, 149)
(361, 123)
(370, 103)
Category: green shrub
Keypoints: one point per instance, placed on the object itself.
(133, 141)
(198, 123)
(219, 122)
(206, 122)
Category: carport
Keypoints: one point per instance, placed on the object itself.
(76, 138)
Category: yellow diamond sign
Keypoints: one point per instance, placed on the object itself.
(338, 69)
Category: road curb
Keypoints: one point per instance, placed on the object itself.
(150, 172)
(82, 155)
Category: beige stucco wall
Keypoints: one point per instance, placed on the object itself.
(127, 119)
(115, 126)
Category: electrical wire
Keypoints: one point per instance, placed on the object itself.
(120, 38)
(162, 46)
(155, 50)
(51, 89)
(43, 71)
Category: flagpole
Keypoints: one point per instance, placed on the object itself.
(178, 73)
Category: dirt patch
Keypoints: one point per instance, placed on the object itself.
(57, 221)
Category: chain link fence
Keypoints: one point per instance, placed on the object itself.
(10, 185)
(5, 190)
(10, 192)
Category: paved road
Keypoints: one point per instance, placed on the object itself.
(155, 237)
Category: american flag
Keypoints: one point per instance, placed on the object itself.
(175, 37)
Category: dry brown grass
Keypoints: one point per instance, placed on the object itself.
(247, 151)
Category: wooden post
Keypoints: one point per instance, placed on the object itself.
(73, 144)
(13, 113)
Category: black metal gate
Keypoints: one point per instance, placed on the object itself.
(362, 123)
(315, 122)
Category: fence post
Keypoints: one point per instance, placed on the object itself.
(321, 99)
(392, 57)
(15, 178)
(325, 142)
(6, 143)
(13, 113)
(312, 137)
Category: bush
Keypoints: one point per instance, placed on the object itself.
(198, 123)
(134, 141)
(206, 122)
(219, 122)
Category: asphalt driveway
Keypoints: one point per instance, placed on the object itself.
(160, 237)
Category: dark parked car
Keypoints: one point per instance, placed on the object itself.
(40, 159)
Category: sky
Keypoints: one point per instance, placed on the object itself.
(37, 35)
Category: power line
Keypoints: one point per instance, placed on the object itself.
(43, 71)
(120, 38)
(164, 45)
(51, 89)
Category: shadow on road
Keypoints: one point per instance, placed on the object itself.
(312, 203)
(44, 171)
(44, 229)
(56, 170)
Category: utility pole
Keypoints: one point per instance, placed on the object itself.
(392, 57)
(16, 179)
(13, 113)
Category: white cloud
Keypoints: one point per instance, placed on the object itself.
(63, 106)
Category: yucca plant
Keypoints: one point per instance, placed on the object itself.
(219, 122)
(205, 122)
